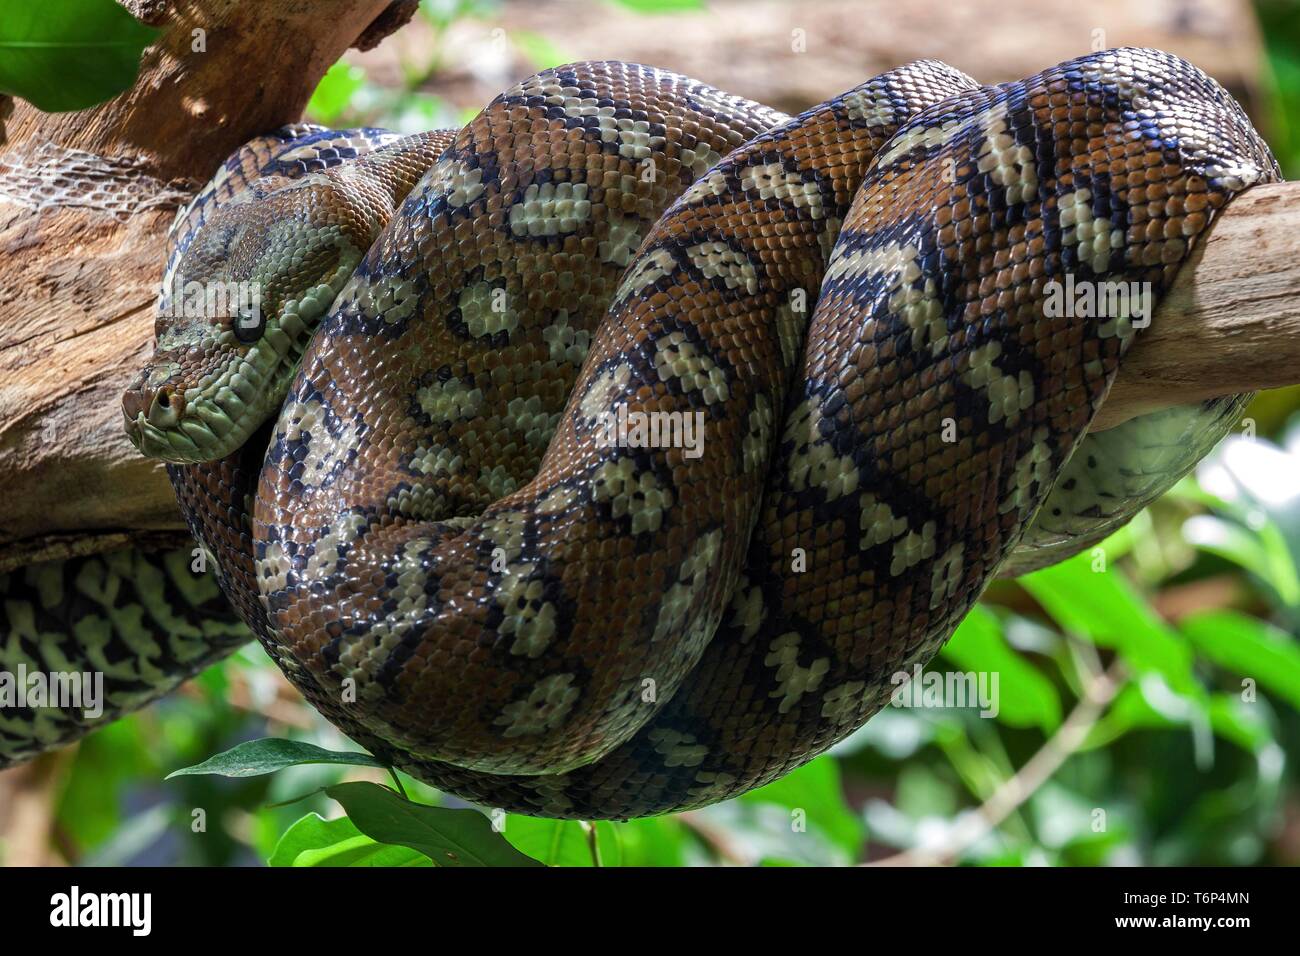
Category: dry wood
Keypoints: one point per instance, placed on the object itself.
(1231, 322)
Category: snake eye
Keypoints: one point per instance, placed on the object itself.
(249, 325)
(166, 407)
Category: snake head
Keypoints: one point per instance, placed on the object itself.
(236, 313)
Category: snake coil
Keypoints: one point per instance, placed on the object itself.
(610, 455)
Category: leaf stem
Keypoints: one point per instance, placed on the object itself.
(593, 843)
(397, 782)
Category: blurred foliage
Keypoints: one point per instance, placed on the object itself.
(1279, 22)
(1189, 614)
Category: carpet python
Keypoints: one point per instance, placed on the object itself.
(610, 455)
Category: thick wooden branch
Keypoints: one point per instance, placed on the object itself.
(1231, 322)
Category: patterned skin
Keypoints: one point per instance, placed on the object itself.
(453, 567)
(222, 362)
(144, 621)
(149, 620)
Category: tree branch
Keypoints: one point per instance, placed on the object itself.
(1097, 695)
(1231, 322)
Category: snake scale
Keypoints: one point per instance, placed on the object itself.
(610, 455)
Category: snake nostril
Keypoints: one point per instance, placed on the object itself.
(166, 407)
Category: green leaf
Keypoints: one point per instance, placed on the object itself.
(1025, 698)
(540, 51)
(447, 837)
(1263, 553)
(269, 754)
(650, 841)
(1248, 647)
(63, 55)
(1105, 608)
(1239, 722)
(106, 764)
(813, 794)
(1119, 543)
(1128, 711)
(334, 92)
(312, 841)
(559, 842)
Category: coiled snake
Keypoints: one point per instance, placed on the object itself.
(610, 455)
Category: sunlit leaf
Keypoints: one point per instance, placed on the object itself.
(90, 806)
(653, 841)
(269, 754)
(660, 6)
(1104, 607)
(1025, 697)
(1119, 543)
(1240, 723)
(814, 796)
(1264, 552)
(312, 841)
(540, 51)
(560, 842)
(447, 837)
(334, 92)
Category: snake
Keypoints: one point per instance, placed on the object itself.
(611, 455)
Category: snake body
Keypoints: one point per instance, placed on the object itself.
(426, 522)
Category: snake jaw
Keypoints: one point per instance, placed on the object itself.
(248, 294)
(222, 384)
(197, 424)
(186, 415)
